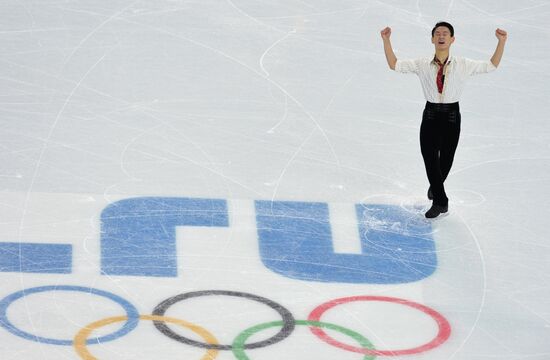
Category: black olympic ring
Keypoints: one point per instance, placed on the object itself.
(288, 319)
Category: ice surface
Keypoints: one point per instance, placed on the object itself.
(155, 148)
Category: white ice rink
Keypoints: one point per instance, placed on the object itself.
(173, 173)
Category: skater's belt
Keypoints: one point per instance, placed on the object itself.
(442, 107)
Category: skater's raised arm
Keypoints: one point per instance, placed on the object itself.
(497, 56)
(390, 56)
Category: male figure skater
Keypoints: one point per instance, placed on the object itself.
(442, 78)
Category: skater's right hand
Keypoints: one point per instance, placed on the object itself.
(386, 33)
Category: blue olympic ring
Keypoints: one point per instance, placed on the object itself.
(131, 312)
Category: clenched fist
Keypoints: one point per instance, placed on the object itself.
(501, 35)
(386, 33)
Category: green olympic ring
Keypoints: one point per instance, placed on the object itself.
(240, 340)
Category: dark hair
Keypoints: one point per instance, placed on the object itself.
(447, 25)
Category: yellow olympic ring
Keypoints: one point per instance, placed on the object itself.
(82, 336)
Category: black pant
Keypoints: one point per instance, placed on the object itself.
(439, 134)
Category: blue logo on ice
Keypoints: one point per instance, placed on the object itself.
(138, 238)
(296, 241)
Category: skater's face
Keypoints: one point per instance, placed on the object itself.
(442, 38)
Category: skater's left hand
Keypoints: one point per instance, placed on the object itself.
(501, 35)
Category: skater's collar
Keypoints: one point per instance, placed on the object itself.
(450, 59)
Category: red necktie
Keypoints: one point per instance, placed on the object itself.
(439, 78)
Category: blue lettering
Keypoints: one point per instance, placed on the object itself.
(296, 242)
(35, 258)
(138, 236)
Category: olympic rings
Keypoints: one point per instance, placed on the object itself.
(441, 337)
(80, 338)
(286, 315)
(238, 346)
(131, 313)
(239, 343)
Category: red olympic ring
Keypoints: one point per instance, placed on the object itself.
(442, 336)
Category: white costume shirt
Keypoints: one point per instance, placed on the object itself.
(457, 70)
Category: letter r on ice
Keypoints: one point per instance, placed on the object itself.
(138, 236)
